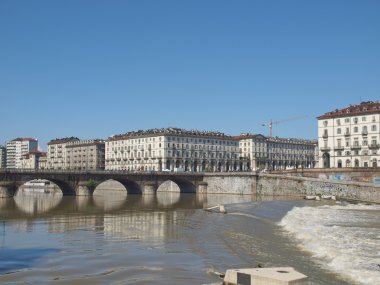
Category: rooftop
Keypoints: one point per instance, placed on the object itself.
(24, 139)
(169, 131)
(364, 108)
(63, 140)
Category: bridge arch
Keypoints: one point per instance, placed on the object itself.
(180, 185)
(130, 186)
(65, 187)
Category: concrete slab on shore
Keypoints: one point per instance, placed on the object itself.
(264, 276)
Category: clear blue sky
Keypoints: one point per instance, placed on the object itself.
(91, 68)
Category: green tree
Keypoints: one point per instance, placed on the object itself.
(91, 184)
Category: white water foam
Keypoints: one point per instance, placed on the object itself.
(344, 239)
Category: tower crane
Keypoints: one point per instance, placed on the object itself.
(271, 123)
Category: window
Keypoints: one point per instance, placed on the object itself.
(325, 123)
(355, 120)
(339, 131)
(373, 128)
(347, 120)
(338, 122)
(356, 129)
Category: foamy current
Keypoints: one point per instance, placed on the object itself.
(343, 238)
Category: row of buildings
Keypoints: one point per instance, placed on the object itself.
(348, 137)
(165, 149)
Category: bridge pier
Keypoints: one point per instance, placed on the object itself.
(83, 190)
(202, 187)
(7, 189)
(150, 188)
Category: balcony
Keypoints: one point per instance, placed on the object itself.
(347, 134)
(356, 147)
(339, 147)
(325, 136)
(364, 133)
(325, 148)
(374, 145)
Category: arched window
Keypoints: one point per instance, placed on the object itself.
(348, 163)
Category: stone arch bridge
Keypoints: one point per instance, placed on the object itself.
(77, 183)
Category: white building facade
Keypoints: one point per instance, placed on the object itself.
(258, 152)
(291, 153)
(172, 149)
(350, 137)
(253, 149)
(17, 148)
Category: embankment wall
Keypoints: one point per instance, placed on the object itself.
(283, 185)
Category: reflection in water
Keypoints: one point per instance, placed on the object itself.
(168, 198)
(168, 186)
(109, 200)
(140, 225)
(36, 203)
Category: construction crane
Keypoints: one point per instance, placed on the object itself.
(271, 123)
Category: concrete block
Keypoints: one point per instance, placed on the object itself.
(264, 276)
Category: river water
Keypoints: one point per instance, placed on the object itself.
(115, 238)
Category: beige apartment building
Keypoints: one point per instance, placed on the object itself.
(258, 152)
(85, 155)
(57, 153)
(42, 163)
(75, 154)
(31, 160)
(172, 149)
(350, 137)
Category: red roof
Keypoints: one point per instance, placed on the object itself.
(364, 108)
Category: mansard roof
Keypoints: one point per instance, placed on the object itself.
(63, 140)
(364, 108)
(292, 141)
(81, 143)
(244, 136)
(169, 131)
